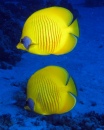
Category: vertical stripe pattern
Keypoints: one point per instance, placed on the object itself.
(46, 94)
(47, 33)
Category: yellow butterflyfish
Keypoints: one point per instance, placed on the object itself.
(51, 90)
(49, 31)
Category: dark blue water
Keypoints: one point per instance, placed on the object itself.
(85, 64)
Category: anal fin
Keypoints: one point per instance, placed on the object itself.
(67, 43)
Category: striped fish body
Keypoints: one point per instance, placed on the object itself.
(51, 31)
(45, 32)
(49, 91)
(47, 97)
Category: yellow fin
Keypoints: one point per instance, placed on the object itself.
(57, 12)
(71, 87)
(68, 103)
(69, 99)
(69, 41)
(58, 72)
(74, 28)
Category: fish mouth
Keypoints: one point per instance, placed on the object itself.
(21, 46)
(26, 106)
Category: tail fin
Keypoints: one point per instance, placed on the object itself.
(71, 87)
(74, 28)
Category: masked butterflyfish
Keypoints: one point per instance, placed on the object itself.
(51, 90)
(50, 30)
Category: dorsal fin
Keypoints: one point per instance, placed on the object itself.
(56, 72)
(57, 13)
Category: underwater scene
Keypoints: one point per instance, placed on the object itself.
(51, 65)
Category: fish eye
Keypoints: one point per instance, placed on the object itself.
(30, 104)
(26, 41)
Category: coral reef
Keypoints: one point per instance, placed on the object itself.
(88, 121)
(5, 121)
(9, 35)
